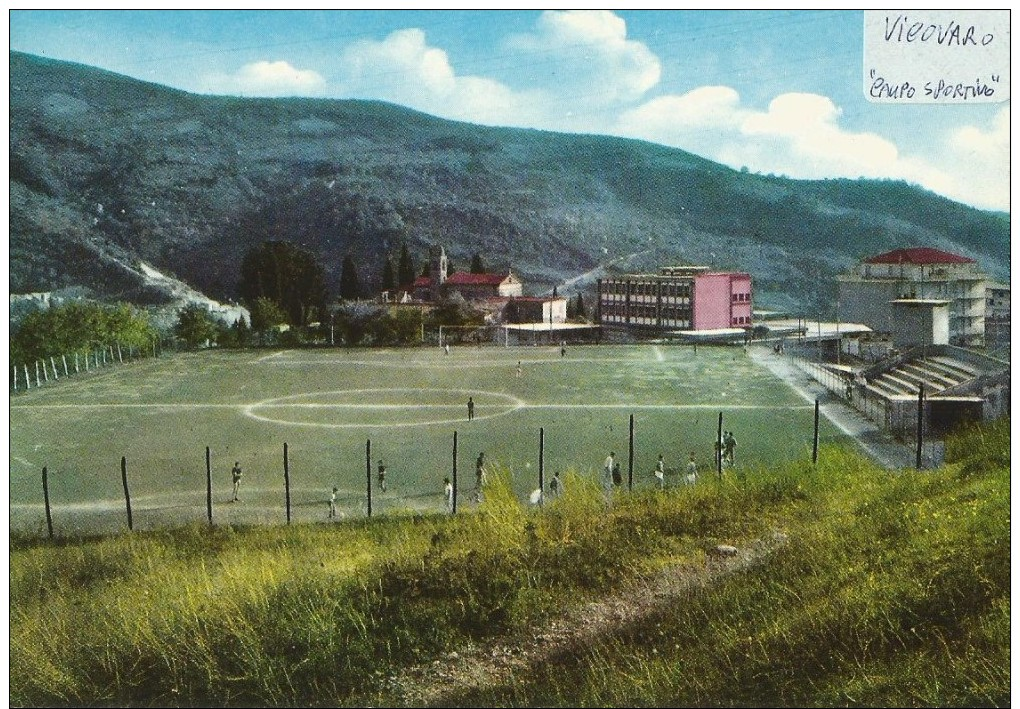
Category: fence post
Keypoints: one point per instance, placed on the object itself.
(127, 493)
(15, 368)
(208, 485)
(76, 369)
(718, 448)
(541, 465)
(28, 381)
(920, 424)
(46, 501)
(64, 360)
(454, 472)
(286, 481)
(120, 356)
(46, 376)
(368, 474)
(630, 457)
(53, 363)
(814, 449)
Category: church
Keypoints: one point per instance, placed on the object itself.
(440, 284)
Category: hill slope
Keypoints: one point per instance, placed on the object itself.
(107, 170)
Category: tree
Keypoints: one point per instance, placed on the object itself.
(389, 279)
(265, 315)
(350, 288)
(241, 331)
(194, 325)
(287, 275)
(477, 266)
(580, 307)
(405, 268)
(78, 327)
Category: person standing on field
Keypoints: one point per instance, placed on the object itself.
(692, 470)
(479, 476)
(382, 476)
(471, 409)
(607, 469)
(332, 504)
(235, 476)
(555, 485)
(519, 370)
(660, 472)
(448, 494)
(730, 445)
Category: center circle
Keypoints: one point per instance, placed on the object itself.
(381, 408)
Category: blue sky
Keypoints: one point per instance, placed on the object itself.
(778, 92)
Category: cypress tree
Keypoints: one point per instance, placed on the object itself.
(405, 268)
(349, 286)
(389, 280)
(580, 306)
(477, 266)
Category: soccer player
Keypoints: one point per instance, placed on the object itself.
(519, 370)
(471, 409)
(607, 469)
(479, 476)
(448, 494)
(730, 443)
(692, 470)
(235, 476)
(660, 472)
(382, 476)
(332, 504)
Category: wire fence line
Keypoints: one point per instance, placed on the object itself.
(45, 371)
(289, 500)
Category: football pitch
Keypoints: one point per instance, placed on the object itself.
(326, 404)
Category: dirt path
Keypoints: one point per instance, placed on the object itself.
(498, 661)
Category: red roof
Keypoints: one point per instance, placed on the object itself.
(421, 282)
(922, 255)
(526, 298)
(461, 278)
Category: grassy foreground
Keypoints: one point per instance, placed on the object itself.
(893, 589)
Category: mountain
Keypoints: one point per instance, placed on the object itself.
(110, 175)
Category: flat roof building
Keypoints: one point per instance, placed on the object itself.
(867, 293)
(676, 298)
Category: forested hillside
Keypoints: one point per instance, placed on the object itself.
(106, 171)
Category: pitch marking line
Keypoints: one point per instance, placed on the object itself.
(509, 405)
(451, 363)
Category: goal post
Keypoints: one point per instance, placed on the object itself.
(487, 334)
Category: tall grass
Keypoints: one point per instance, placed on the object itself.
(893, 588)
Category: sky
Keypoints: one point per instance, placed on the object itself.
(778, 92)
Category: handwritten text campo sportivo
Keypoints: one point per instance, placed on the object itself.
(952, 34)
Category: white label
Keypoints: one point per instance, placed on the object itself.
(936, 56)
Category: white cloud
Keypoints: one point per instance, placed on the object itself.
(799, 135)
(264, 78)
(404, 69)
(573, 63)
(981, 162)
(586, 54)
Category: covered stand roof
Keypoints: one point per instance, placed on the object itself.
(918, 256)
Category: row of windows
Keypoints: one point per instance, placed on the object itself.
(643, 288)
(619, 311)
(741, 297)
(742, 320)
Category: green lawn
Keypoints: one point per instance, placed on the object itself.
(325, 404)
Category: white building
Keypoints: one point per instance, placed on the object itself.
(867, 293)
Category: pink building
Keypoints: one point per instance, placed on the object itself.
(722, 300)
(677, 298)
